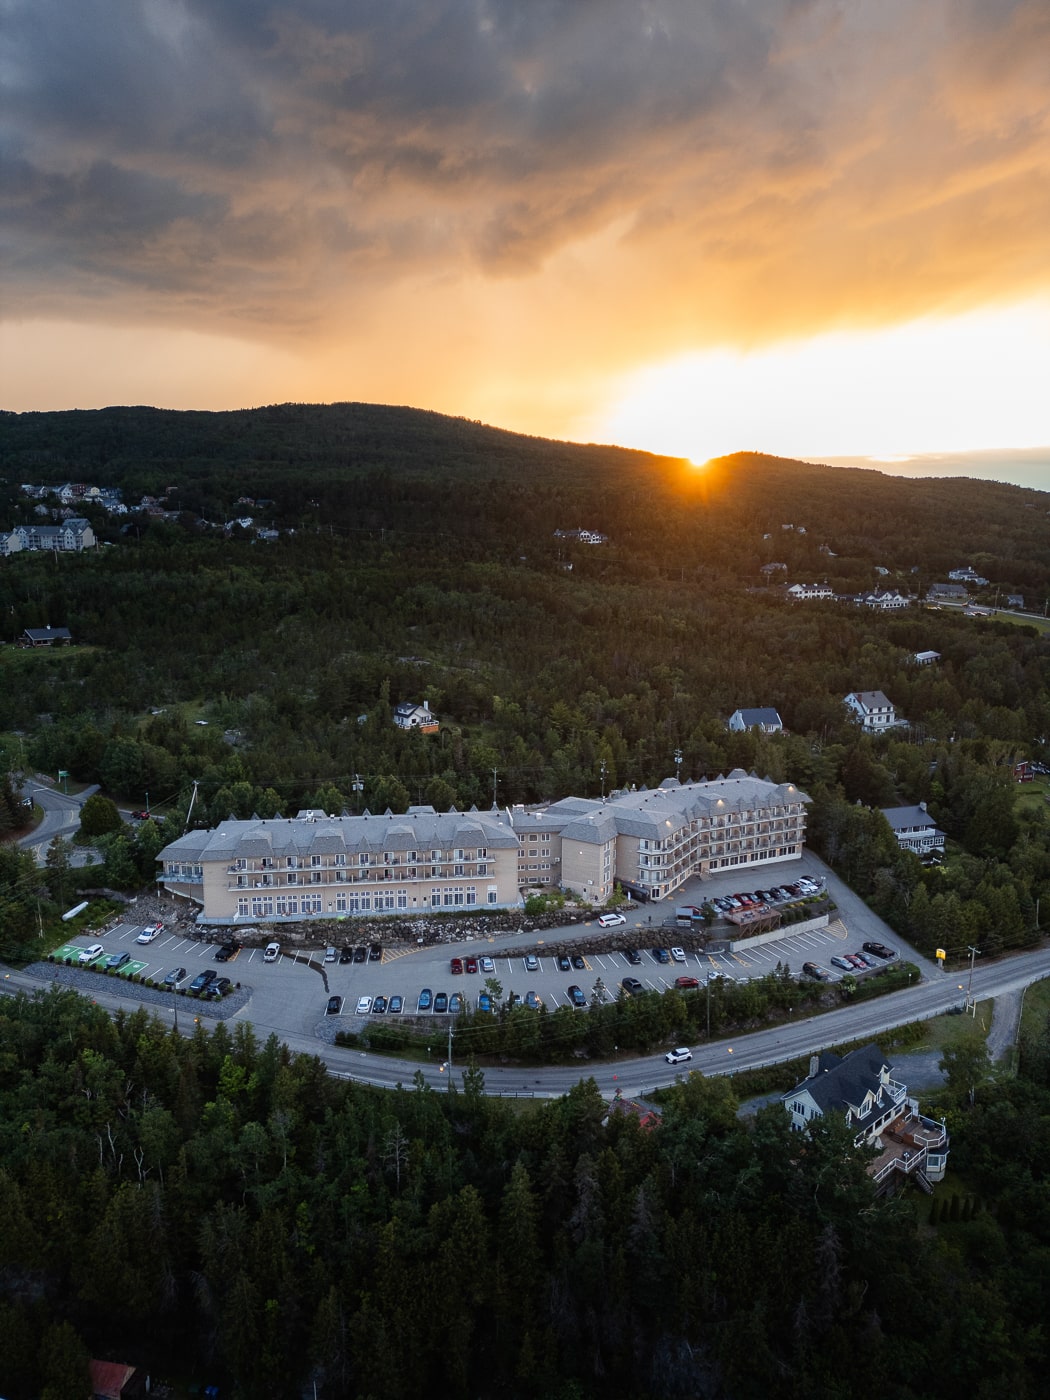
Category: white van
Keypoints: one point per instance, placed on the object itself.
(608, 920)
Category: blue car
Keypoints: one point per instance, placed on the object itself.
(484, 1001)
(425, 1001)
(116, 960)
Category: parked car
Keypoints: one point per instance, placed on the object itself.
(486, 964)
(202, 979)
(176, 976)
(633, 957)
(484, 1001)
(116, 960)
(90, 953)
(141, 816)
(678, 954)
(455, 1003)
(532, 962)
(364, 1005)
(375, 952)
(880, 950)
(610, 920)
(440, 1003)
(335, 1005)
(346, 954)
(662, 956)
(379, 1006)
(861, 964)
(685, 982)
(396, 1005)
(360, 953)
(532, 1001)
(271, 952)
(563, 963)
(814, 970)
(331, 954)
(632, 986)
(679, 1056)
(425, 1000)
(843, 963)
(218, 988)
(456, 966)
(149, 933)
(579, 962)
(513, 1000)
(471, 964)
(227, 951)
(865, 958)
(577, 997)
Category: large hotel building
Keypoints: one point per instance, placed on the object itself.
(649, 841)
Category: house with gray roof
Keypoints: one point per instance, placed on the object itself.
(914, 829)
(871, 709)
(878, 1111)
(765, 720)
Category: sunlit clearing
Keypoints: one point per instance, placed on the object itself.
(968, 382)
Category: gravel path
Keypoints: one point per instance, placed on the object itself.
(1005, 1017)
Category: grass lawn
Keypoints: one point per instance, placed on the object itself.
(1032, 797)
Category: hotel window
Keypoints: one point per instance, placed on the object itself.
(362, 859)
(435, 855)
(459, 855)
(472, 895)
(492, 894)
(458, 870)
(435, 899)
(315, 860)
(293, 878)
(482, 868)
(316, 876)
(483, 853)
(402, 899)
(340, 903)
(242, 908)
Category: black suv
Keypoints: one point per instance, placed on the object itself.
(227, 951)
(202, 979)
(880, 950)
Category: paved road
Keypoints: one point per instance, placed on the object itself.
(61, 818)
(292, 1004)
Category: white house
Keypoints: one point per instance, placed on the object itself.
(914, 828)
(926, 658)
(967, 575)
(877, 1109)
(800, 591)
(885, 602)
(872, 709)
(766, 721)
(408, 715)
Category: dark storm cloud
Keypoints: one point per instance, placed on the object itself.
(773, 159)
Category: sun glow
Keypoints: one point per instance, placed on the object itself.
(965, 383)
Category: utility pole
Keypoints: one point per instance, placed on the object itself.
(446, 1068)
(603, 779)
(494, 774)
(678, 764)
(971, 1005)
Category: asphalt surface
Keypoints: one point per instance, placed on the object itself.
(288, 998)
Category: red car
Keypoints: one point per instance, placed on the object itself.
(472, 964)
(457, 966)
(687, 982)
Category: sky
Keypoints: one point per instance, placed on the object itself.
(814, 228)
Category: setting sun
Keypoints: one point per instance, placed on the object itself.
(974, 381)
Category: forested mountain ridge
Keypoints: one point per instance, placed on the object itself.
(423, 564)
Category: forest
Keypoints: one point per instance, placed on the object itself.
(417, 559)
(222, 1212)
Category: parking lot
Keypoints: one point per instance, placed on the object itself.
(292, 992)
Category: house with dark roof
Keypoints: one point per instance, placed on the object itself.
(766, 721)
(46, 637)
(409, 715)
(914, 829)
(948, 593)
(879, 1112)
